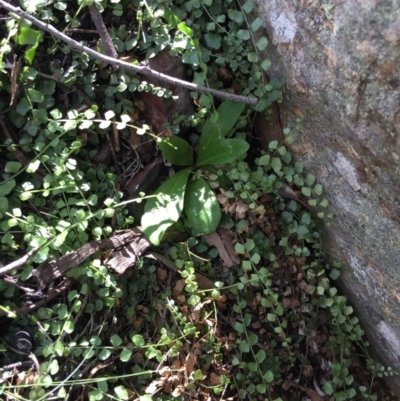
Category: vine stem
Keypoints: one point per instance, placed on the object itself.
(144, 70)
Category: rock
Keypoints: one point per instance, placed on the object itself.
(340, 60)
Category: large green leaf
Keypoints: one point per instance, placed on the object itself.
(210, 138)
(211, 129)
(29, 36)
(212, 146)
(165, 209)
(223, 120)
(222, 152)
(202, 207)
(176, 150)
(228, 114)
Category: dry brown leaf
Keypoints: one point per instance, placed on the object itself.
(178, 390)
(223, 241)
(190, 363)
(286, 303)
(195, 315)
(167, 388)
(221, 302)
(165, 371)
(155, 385)
(241, 209)
(259, 210)
(178, 288)
(162, 274)
(301, 260)
(137, 322)
(313, 395)
(181, 299)
(28, 377)
(215, 240)
(214, 379)
(286, 191)
(203, 282)
(308, 288)
(308, 371)
(223, 199)
(224, 371)
(176, 364)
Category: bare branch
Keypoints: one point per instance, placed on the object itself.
(103, 33)
(17, 263)
(144, 70)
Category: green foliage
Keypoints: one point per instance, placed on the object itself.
(196, 198)
(201, 207)
(166, 208)
(191, 322)
(176, 150)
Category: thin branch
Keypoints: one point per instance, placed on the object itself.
(17, 263)
(54, 293)
(144, 70)
(16, 283)
(16, 365)
(103, 33)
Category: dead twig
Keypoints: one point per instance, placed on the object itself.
(144, 70)
(17, 365)
(16, 283)
(103, 33)
(54, 293)
(17, 263)
(14, 80)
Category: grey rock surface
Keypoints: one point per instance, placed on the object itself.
(341, 61)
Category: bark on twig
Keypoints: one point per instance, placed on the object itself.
(17, 263)
(144, 70)
(53, 269)
(103, 33)
(16, 283)
(14, 80)
(54, 293)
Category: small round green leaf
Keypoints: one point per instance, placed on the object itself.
(125, 355)
(104, 354)
(121, 393)
(115, 340)
(138, 340)
(12, 167)
(306, 191)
